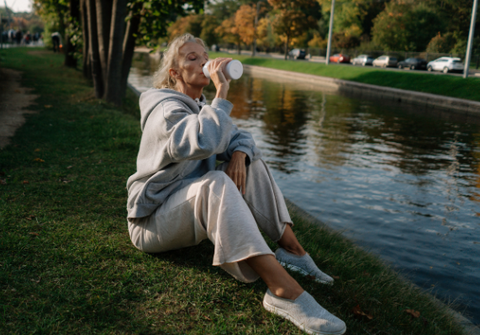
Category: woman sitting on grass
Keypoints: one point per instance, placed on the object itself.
(179, 197)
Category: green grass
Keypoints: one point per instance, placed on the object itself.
(67, 265)
(451, 86)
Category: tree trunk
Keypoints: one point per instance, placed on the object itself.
(93, 50)
(128, 49)
(104, 17)
(86, 67)
(70, 49)
(286, 46)
(115, 53)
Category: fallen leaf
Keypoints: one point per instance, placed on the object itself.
(69, 167)
(413, 313)
(358, 311)
(335, 277)
(34, 234)
(37, 150)
(206, 317)
(39, 160)
(25, 181)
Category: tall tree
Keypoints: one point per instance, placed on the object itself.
(229, 33)
(406, 26)
(110, 29)
(294, 18)
(245, 23)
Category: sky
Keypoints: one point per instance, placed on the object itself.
(17, 5)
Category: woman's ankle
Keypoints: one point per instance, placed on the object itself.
(287, 293)
(295, 251)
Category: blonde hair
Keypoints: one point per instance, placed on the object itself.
(161, 78)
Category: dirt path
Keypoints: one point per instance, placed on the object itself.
(14, 101)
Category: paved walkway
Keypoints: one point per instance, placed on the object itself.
(14, 103)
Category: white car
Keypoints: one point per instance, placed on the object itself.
(385, 61)
(362, 60)
(445, 64)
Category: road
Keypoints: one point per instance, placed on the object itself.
(472, 72)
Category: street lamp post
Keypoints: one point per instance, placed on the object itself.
(329, 45)
(254, 51)
(470, 39)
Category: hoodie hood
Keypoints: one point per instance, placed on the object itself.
(153, 97)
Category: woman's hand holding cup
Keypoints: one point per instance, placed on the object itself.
(216, 68)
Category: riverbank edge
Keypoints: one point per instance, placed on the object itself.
(468, 326)
(375, 92)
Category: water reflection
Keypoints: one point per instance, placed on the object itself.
(403, 183)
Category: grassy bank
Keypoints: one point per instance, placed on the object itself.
(451, 86)
(67, 264)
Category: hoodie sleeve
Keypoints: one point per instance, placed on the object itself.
(194, 136)
(241, 140)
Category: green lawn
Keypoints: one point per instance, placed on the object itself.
(67, 265)
(451, 86)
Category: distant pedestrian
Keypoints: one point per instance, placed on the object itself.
(27, 38)
(18, 37)
(56, 39)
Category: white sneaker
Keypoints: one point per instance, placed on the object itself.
(303, 264)
(305, 313)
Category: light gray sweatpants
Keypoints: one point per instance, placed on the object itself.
(212, 207)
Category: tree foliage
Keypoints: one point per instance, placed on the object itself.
(245, 23)
(108, 30)
(228, 32)
(192, 24)
(293, 18)
(406, 26)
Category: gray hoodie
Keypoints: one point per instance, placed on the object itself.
(179, 144)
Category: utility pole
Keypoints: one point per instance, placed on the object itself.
(470, 39)
(329, 45)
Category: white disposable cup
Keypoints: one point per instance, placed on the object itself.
(233, 70)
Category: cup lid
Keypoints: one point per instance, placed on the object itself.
(235, 69)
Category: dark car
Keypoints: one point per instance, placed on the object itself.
(297, 54)
(413, 64)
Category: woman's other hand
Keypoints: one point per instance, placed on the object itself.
(237, 170)
(216, 69)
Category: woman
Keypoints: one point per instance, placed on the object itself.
(179, 197)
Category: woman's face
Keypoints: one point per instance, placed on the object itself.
(190, 65)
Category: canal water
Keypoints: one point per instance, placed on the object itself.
(401, 182)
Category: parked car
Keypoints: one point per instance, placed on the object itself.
(413, 64)
(339, 58)
(385, 61)
(297, 54)
(446, 64)
(362, 60)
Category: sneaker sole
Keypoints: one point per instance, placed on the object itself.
(286, 315)
(303, 272)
